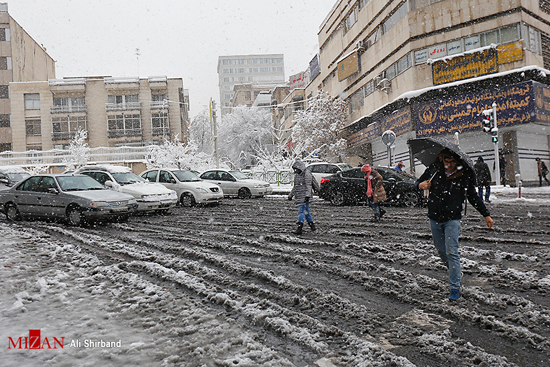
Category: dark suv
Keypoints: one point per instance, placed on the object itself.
(348, 187)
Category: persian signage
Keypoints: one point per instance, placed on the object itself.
(510, 52)
(362, 136)
(314, 67)
(515, 105)
(300, 80)
(465, 66)
(399, 122)
(348, 66)
(542, 99)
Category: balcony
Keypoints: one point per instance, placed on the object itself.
(161, 131)
(64, 135)
(123, 106)
(68, 109)
(158, 105)
(124, 133)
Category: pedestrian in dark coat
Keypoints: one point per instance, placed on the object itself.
(483, 175)
(302, 193)
(502, 167)
(448, 189)
(542, 170)
(375, 191)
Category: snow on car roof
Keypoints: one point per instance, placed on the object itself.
(12, 169)
(105, 167)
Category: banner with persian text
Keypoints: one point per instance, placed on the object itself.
(515, 105)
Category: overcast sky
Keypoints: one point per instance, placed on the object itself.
(176, 38)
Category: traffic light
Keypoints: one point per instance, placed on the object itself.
(487, 122)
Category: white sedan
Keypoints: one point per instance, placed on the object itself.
(235, 183)
(190, 188)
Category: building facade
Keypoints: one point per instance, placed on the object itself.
(267, 70)
(22, 59)
(114, 112)
(429, 67)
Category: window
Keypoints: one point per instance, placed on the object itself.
(2, 34)
(4, 147)
(509, 33)
(32, 127)
(4, 91)
(166, 177)
(158, 97)
(404, 63)
(32, 101)
(247, 95)
(64, 128)
(123, 125)
(369, 88)
(357, 100)
(5, 119)
(391, 72)
(5, 62)
(395, 17)
(488, 38)
(472, 42)
(160, 124)
(351, 19)
(69, 104)
(531, 37)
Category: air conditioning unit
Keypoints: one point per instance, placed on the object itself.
(376, 80)
(384, 85)
(360, 45)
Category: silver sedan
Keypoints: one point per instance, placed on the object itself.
(78, 199)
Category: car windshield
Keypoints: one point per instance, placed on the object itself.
(344, 166)
(186, 176)
(17, 176)
(78, 183)
(127, 178)
(238, 175)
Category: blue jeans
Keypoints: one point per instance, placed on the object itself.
(445, 237)
(375, 207)
(303, 213)
(487, 191)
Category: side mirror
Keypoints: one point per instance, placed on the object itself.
(5, 181)
(109, 184)
(52, 190)
(172, 180)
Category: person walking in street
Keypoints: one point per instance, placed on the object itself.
(483, 176)
(502, 167)
(542, 170)
(448, 188)
(400, 166)
(302, 192)
(375, 191)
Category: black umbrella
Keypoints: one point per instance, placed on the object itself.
(427, 149)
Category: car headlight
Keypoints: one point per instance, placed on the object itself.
(97, 204)
(147, 197)
(201, 190)
(174, 194)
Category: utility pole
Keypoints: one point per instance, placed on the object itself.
(214, 130)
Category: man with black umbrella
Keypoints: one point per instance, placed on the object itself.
(449, 185)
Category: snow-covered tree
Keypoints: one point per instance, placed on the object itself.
(247, 130)
(79, 151)
(316, 129)
(175, 154)
(200, 132)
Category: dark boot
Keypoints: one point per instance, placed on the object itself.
(382, 212)
(312, 226)
(299, 228)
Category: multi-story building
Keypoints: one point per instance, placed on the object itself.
(22, 59)
(429, 67)
(246, 94)
(266, 70)
(114, 111)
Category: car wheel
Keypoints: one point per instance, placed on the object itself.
(187, 200)
(409, 199)
(12, 213)
(337, 198)
(74, 216)
(244, 193)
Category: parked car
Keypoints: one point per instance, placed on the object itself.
(149, 196)
(77, 199)
(323, 169)
(235, 183)
(190, 188)
(348, 187)
(10, 175)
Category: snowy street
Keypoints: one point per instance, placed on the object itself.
(232, 286)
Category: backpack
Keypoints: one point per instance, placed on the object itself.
(543, 168)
